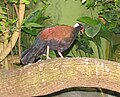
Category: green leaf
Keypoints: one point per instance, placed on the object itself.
(92, 31)
(1, 17)
(26, 2)
(14, 20)
(105, 33)
(97, 41)
(90, 3)
(85, 48)
(33, 25)
(33, 22)
(31, 31)
(112, 25)
(88, 21)
(6, 23)
(12, 1)
(5, 13)
(35, 1)
(52, 54)
(34, 17)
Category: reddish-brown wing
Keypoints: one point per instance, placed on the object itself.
(57, 33)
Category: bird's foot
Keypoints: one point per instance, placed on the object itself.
(60, 54)
(48, 58)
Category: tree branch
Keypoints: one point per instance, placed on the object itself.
(53, 75)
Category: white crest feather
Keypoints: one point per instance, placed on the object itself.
(76, 25)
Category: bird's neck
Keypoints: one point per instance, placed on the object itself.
(75, 31)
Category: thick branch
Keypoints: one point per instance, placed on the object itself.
(57, 74)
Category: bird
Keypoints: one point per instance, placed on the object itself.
(57, 38)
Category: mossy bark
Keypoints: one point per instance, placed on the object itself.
(49, 76)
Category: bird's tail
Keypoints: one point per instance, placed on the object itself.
(32, 54)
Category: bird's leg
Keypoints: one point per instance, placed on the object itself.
(60, 54)
(48, 50)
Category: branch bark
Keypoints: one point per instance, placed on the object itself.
(49, 76)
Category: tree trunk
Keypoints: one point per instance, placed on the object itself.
(49, 76)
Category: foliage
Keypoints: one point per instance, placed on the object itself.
(34, 22)
(4, 17)
(83, 44)
(32, 26)
(92, 25)
(110, 11)
(103, 26)
(10, 23)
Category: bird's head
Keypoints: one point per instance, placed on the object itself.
(80, 27)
